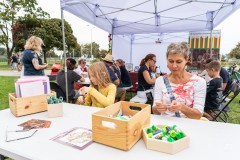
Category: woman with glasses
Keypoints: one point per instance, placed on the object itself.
(179, 93)
(145, 81)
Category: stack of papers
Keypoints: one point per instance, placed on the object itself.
(32, 86)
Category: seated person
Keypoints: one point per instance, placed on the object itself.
(125, 78)
(214, 88)
(227, 80)
(81, 68)
(145, 82)
(179, 92)
(102, 91)
(121, 92)
(71, 78)
(154, 71)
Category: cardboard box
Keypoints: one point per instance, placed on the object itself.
(122, 134)
(28, 105)
(164, 146)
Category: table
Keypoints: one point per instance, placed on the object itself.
(208, 140)
(87, 81)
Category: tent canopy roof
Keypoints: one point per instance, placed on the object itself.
(151, 16)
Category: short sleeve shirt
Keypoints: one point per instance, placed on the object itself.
(28, 56)
(142, 83)
(113, 77)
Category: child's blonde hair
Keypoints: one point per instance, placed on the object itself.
(34, 43)
(100, 73)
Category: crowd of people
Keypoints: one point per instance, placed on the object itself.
(178, 93)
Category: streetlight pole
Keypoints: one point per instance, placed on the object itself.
(91, 28)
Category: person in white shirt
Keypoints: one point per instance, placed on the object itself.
(188, 93)
(81, 68)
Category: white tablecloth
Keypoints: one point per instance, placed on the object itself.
(208, 140)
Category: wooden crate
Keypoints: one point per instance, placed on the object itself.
(164, 146)
(28, 105)
(122, 134)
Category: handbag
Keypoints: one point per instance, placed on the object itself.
(170, 92)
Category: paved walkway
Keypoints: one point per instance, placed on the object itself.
(16, 73)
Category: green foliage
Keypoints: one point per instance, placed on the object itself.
(49, 30)
(95, 49)
(235, 52)
(9, 15)
(2, 51)
(7, 86)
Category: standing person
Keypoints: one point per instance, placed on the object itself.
(71, 77)
(14, 61)
(125, 78)
(179, 91)
(214, 88)
(102, 91)
(31, 59)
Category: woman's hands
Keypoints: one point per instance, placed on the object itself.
(175, 106)
(162, 107)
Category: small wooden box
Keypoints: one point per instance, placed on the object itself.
(55, 110)
(28, 105)
(122, 134)
(164, 146)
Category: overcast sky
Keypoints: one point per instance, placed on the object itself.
(230, 28)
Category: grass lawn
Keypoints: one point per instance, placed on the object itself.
(7, 86)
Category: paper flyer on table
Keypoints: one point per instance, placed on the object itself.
(78, 138)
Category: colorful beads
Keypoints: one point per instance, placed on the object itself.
(166, 133)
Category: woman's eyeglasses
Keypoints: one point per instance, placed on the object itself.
(154, 61)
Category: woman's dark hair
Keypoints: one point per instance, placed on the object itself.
(148, 56)
(71, 63)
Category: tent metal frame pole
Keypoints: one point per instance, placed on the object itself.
(131, 51)
(64, 52)
(112, 40)
(211, 43)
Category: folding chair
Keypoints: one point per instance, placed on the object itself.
(134, 80)
(56, 88)
(60, 93)
(221, 114)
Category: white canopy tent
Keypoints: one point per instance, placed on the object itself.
(133, 48)
(130, 17)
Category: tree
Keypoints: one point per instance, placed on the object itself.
(49, 30)
(95, 49)
(9, 14)
(235, 52)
